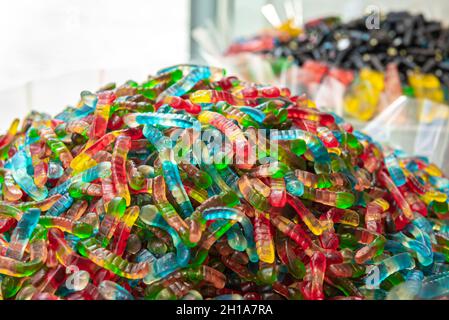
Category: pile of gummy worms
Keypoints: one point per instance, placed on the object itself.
(121, 197)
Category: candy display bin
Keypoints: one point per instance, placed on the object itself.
(132, 170)
(419, 127)
(331, 53)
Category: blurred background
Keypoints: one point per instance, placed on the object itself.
(53, 49)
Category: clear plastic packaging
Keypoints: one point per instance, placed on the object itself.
(311, 48)
(417, 126)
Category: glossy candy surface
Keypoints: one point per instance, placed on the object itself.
(360, 68)
(170, 189)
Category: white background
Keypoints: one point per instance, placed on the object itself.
(51, 50)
